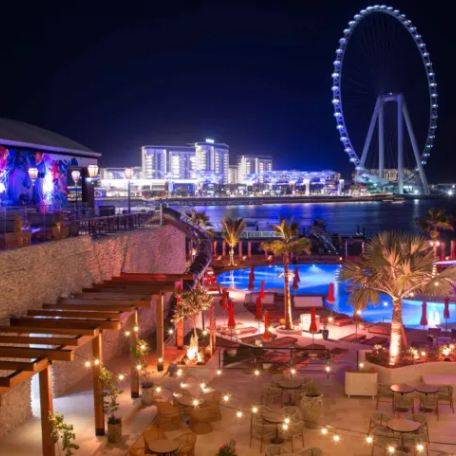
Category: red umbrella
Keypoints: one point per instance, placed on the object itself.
(313, 321)
(262, 289)
(330, 298)
(296, 280)
(266, 334)
(224, 300)
(231, 322)
(258, 309)
(252, 272)
(296, 273)
(251, 285)
(424, 321)
(446, 310)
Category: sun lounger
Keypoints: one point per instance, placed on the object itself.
(353, 338)
(307, 301)
(376, 340)
(268, 300)
(380, 328)
(342, 320)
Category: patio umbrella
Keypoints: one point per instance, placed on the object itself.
(252, 272)
(251, 285)
(296, 280)
(296, 273)
(330, 298)
(313, 322)
(262, 289)
(266, 334)
(231, 322)
(446, 311)
(224, 300)
(258, 309)
(424, 321)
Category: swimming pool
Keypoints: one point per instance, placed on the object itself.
(315, 279)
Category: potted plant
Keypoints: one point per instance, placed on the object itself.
(110, 394)
(62, 434)
(311, 405)
(140, 351)
(228, 449)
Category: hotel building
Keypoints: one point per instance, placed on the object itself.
(253, 164)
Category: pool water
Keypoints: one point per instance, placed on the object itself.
(314, 279)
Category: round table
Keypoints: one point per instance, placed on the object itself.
(427, 389)
(289, 384)
(276, 418)
(402, 388)
(403, 426)
(187, 400)
(163, 447)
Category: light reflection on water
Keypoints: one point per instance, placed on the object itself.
(315, 279)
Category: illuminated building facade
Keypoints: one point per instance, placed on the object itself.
(253, 164)
(212, 161)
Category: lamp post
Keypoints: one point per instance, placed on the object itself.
(128, 176)
(33, 174)
(76, 175)
(92, 175)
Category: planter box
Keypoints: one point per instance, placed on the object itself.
(413, 373)
(361, 383)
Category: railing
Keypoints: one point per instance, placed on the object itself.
(101, 226)
(259, 234)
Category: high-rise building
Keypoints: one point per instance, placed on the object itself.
(167, 162)
(212, 161)
(253, 164)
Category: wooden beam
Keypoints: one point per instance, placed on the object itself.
(97, 353)
(33, 366)
(46, 405)
(160, 329)
(97, 307)
(54, 354)
(72, 323)
(111, 296)
(155, 276)
(134, 374)
(101, 302)
(23, 329)
(72, 341)
(92, 314)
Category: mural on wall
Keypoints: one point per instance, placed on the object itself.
(49, 189)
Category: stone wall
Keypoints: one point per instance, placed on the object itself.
(38, 274)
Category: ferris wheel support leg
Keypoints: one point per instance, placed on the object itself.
(370, 132)
(416, 152)
(381, 143)
(400, 145)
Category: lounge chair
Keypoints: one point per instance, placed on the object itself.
(353, 338)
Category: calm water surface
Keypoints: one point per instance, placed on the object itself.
(342, 218)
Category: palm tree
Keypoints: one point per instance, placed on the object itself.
(232, 230)
(398, 265)
(288, 243)
(201, 219)
(436, 220)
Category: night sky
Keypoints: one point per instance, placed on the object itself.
(253, 75)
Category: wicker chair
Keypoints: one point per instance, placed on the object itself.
(271, 394)
(295, 429)
(213, 403)
(168, 416)
(187, 442)
(384, 394)
(292, 412)
(377, 421)
(446, 396)
(403, 403)
(259, 429)
(200, 418)
(429, 402)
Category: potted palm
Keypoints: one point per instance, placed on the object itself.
(232, 230)
(141, 350)
(110, 393)
(189, 305)
(62, 434)
(228, 449)
(311, 405)
(398, 265)
(288, 243)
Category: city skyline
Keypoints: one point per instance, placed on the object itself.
(248, 85)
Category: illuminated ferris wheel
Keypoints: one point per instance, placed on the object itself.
(383, 82)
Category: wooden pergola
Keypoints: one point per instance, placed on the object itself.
(53, 333)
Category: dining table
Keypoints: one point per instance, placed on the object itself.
(288, 385)
(276, 417)
(403, 426)
(162, 447)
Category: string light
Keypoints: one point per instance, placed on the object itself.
(336, 438)
(256, 372)
(239, 414)
(203, 386)
(183, 385)
(158, 389)
(127, 333)
(96, 362)
(204, 332)
(179, 372)
(324, 430)
(121, 377)
(254, 409)
(369, 439)
(328, 369)
(135, 329)
(420, 447)
(87, 364)
(170, 331)
(226, 397)
(391, 449)
(195, 402)
(219, 372)
(361, 365)
(286, 420)
(285, 426)
(293, 371)
(138, 367)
